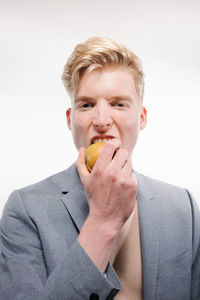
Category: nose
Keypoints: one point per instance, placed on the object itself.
(102, 116)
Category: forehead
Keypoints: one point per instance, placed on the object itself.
(107, 82)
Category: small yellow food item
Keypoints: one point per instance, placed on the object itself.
(92, 153)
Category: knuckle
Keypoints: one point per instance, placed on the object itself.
(109, 147)
(123, 182)
(97, 172)
(125, 151)
(126, 182)
(111, 175)
(132, 184)
(129, 163)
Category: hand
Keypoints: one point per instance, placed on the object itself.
(111, 187)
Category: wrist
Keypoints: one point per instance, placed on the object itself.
(97, 239)
(101, 229)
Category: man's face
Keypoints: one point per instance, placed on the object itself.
(106, 106)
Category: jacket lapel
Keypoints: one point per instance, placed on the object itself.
(74, 197)
(149, 234)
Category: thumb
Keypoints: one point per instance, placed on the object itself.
(134, 177)
(81, 165)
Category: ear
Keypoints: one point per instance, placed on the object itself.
(143, 117)
(68, 116)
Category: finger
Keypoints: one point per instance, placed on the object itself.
(108, 152)
(116, 142)
(127, 168)
(134, 177)
(81, 165)
(120, 158)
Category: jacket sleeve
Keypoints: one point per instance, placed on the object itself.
(195, 283)
(23, 272)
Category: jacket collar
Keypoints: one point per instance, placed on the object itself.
(74, 199)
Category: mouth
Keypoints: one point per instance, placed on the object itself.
(101, 139)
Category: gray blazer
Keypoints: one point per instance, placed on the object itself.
(41, 258)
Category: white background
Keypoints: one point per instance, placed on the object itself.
(36, 38)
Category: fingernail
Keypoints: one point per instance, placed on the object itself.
(115, 141)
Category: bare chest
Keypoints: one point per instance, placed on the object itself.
(127, 260)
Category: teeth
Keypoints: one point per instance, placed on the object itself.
(99, 140)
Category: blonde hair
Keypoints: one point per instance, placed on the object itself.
(99, 52)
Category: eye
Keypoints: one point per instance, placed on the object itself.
(120, 104)
(117, 104)
(86, 105)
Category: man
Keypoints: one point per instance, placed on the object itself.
(112, 233)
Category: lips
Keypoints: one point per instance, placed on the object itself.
(101, 139)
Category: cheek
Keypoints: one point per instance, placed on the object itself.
(130, 132)
(78, 129)
(131, 124)
(76, 122)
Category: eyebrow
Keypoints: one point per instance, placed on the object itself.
(84, 98)
(118, 98)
